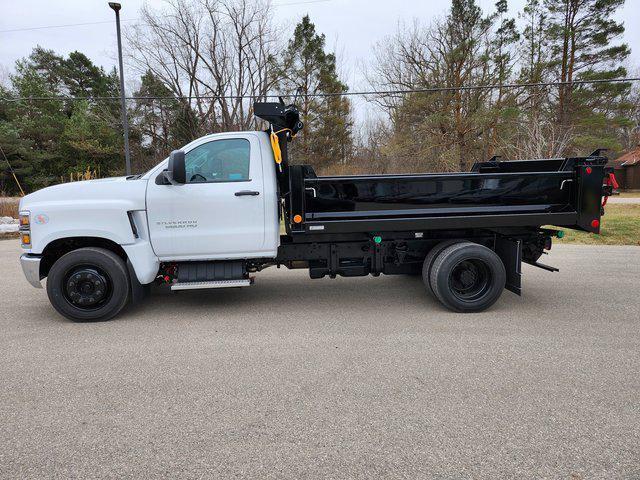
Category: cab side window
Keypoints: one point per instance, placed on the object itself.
(219, 161)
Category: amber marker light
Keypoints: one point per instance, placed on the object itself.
(297, 218)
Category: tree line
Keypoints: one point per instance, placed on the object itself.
(198, 61)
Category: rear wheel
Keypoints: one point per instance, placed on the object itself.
(430, 258)
(467, 277)
(88, 284)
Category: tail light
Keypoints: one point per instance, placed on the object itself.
(609, 184)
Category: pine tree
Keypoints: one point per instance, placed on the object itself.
(38, 121)
(534, 42)
(583, 37)
(504, 106)
(48, 138)
(155, 118)
(88, 142)
(448, 130)
(307, 69)
(83, 78)
(14, 150)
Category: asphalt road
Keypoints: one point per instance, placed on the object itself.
(347, 378)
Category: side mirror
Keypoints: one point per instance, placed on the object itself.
(176, 172)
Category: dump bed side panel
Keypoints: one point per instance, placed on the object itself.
(565, 192)
(332, 198)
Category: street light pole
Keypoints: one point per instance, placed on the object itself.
(125, 122)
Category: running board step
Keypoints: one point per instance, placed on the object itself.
(241, 282)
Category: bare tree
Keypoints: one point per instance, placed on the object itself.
(538, 138)
(448, 129)
(210, 53)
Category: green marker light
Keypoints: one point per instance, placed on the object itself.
(377, 239)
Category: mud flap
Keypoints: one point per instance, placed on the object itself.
(590, 181)
(510, 252)
(138, 291)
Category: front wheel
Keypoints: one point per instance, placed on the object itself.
(88, 284)
(467, 277)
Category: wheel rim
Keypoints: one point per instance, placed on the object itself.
(470, 279)
(87, 287)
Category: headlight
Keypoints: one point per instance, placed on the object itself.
(25, 229)
(24, 220)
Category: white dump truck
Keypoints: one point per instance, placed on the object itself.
(210, 215)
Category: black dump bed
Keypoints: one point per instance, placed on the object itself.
(565, 192)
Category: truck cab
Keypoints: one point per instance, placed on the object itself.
(227, 207)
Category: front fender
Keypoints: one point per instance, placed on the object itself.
(94, 209)
(138, 249)
(104, 219)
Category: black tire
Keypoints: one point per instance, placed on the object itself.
(467, 277)
(430, 258)
(88, 284)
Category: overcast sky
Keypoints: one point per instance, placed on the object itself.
(352, 26)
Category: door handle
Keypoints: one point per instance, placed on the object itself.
(243, 193)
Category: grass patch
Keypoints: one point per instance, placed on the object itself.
(628, 194)
(9, 236)
(9, 207)
(620, 226)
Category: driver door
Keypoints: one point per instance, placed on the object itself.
(219, 213)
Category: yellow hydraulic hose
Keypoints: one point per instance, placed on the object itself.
(275, 145)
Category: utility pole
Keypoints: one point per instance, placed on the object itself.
(125, 122)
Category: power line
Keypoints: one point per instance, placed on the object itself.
(339, 94)
(45, 27)
(28, 29)
(298, 3)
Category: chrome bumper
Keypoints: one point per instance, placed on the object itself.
(31, 268)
